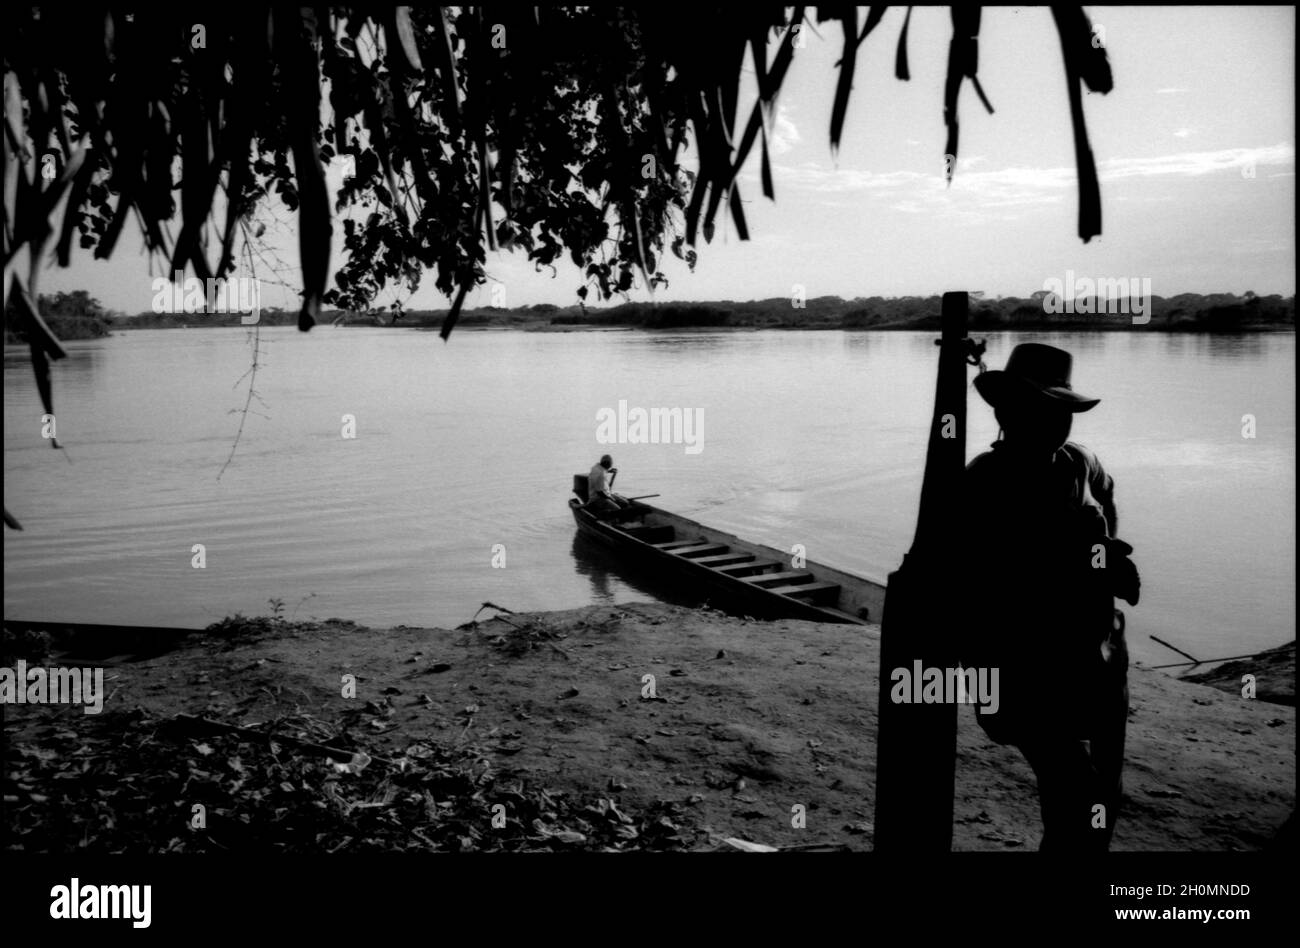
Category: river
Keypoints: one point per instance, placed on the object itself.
(464, 451)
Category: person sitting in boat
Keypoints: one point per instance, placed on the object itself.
(600, 496)
(1044, 561)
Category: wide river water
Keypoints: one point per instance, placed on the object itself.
(815, 438)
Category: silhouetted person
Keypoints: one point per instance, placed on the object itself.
(600, 497)
(1044, 571)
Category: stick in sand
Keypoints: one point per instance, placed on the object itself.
(1195, 660)
(1208, 661)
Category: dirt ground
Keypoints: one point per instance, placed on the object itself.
(1273, 672)
(748, 720)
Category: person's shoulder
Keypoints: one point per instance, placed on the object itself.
(1085, 457)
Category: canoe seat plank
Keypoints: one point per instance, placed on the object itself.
(813, 592)
(784, 578)
(743, 570)
(671, 545)
(703, 549)
(651, 534)
(725, 559)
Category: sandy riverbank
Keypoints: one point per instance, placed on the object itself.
(545, 714)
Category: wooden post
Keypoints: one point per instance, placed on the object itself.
(916, 742)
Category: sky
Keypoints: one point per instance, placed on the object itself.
(1195, 148)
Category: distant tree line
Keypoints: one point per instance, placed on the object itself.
(75, 315)
(80, 316)
(1187, 312)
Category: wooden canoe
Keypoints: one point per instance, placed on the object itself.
(730, 573)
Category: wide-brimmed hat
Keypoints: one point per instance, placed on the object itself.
(1034, 370)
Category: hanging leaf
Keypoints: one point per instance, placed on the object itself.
(1072, 25)
(900, 60)
(845, 83)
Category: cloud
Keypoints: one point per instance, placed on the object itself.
(784, 134)
(1183, 133)
(1195, 163)
(978, 196)
(913, 191)
(1170, 91)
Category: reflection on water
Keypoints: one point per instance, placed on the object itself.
(688, 344)
(1234, 346)
(605, 569)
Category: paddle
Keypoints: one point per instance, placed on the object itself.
(614, 476)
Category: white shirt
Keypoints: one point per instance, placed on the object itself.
(596, 483)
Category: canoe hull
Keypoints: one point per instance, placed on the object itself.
(857, 600)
